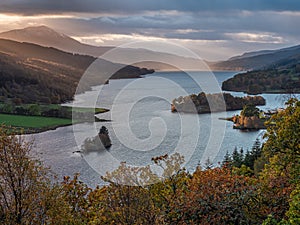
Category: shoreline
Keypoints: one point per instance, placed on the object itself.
(16, 123)
(265, 92)
(28, 131)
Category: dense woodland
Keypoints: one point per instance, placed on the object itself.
(283, 77)
(30, 73)
(260, 186)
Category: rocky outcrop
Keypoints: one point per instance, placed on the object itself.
(104, 137)
(248, 123)
(206, 103)
(100, 142)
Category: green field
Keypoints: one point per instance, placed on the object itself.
(86, 110)
(38, 122)
(33, 118)
(44, 108)
(76, 109)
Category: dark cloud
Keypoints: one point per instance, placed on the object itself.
(194, 26)
(239, 25)
(197, 35)
(31, 7)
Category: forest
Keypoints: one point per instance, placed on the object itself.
(283, 77)
(31, 73)
(260, 186)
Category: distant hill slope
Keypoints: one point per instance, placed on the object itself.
(48, 37)
(45, 36)
(30, 73)
(264, 52)
(281, 77)
(257, 60)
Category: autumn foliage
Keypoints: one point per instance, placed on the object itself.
(221, 195)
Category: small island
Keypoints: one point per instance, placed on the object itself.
(218, 102)
(250, 118)
(100, 142)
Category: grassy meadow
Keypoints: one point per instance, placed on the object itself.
(32, 121)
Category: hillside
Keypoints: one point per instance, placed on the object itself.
(48, 37)
(282, 77)
(257, 60)
(45, 36)
(31, 73)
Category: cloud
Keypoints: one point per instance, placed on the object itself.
(256, 38)
(205, 19)
(221, 26)
(193, 26)
(31, 7)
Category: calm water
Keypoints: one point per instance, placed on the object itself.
(143, 126)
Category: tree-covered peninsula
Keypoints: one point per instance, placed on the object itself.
(283, 77)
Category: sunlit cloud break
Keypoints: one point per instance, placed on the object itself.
(218, 28)
(15, 17)
(256, 38)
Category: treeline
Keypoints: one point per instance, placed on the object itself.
(57, 111)
(33, 74)
(206, 103)
(247, 161)
(79, 114)
(228, 194)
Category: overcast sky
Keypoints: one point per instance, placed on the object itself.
(214, 29)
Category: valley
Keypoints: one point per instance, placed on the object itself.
(149, 112)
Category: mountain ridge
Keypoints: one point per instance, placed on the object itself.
(31, 73)
(255, 60)
(45, 36)
(262, 52)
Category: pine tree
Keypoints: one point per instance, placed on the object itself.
(248, 159)
(227, 161)
(208, 164)
(237, 157)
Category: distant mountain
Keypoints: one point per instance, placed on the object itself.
(264, 52)
(257, 60)
(30, 73)
(251, 54)
(46, 36)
